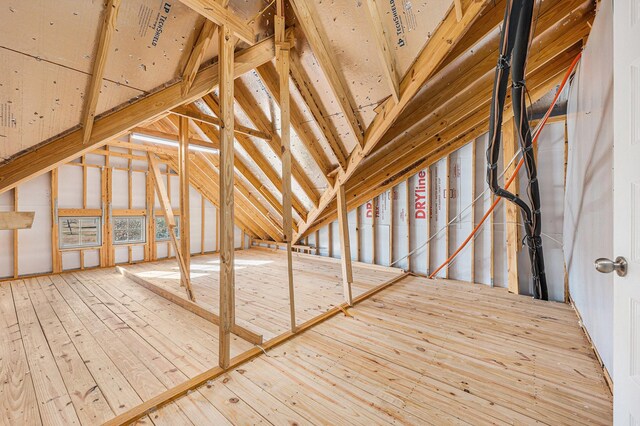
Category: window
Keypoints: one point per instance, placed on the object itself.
(128, 230)
(162, 231)
(79, 232)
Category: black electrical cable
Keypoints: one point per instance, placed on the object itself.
(514, 49)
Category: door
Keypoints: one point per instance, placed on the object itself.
(626, 207)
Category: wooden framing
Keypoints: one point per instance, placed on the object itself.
(15, 220)
(269, 77)
(428, 61)
(384, 50)
(172, 394)
(283, 46)
(185, 216)
(317, 109)
(195, 115)
(217, 13)
(227, 286)
(345, 247)
(466, 113)
(512, 212)
(161, 190)
(197, 55)
(70, 146)
(99, 64)
(239, 331)
(317, 39)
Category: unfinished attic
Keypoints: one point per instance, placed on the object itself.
(298, 212)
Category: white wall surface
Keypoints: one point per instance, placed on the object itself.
(588, 225)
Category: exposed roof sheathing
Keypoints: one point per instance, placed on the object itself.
(47, 57)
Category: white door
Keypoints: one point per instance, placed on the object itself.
(626, 204)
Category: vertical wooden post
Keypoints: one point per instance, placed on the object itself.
(345, 247)
(510, 142)
(183, 176)
(227, 277)
(282, 62)
(408, 206)
(317, 243)
(428, 219)
(202, 223)
(108, 234)
(373, 230)
(446, 211)
(330, 238)
(15, 236)
(171, 223)
(55, 243)
(358, 255)
(151, 222)
(391, 226)
(473, 211)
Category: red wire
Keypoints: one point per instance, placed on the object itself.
(515, 173)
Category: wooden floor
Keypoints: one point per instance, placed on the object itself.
(262, 292)
(423, 352)
(80, 348)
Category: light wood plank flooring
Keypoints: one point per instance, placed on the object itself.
(82, 347)
(262, 294)
(426, 352)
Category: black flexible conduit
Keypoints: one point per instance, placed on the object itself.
(514, 49)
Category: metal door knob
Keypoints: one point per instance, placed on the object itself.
(606, 266)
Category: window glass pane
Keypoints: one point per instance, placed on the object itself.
(79, 232)
(89, 231)
(120, 229)
(69, 231)
(128, 230)
(162, 231)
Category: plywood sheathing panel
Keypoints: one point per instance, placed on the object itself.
(351, 40)
(40, 99)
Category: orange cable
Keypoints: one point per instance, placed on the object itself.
(515, 173)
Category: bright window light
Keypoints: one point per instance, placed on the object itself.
(169, 142)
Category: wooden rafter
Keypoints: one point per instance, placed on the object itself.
(70, 146)
(447, 140)
(193, 113)
(384, 50)
(269, 77)
(99, 64)
(243, 196)
(247, 102)
(312, 99)
(308, 19)
(218, 14)
(258, 158)
(436, 50)
(196, 56)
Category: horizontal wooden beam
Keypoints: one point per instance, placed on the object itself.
(50, 155)
(217, 13)
(190, 306)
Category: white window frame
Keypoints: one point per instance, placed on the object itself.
(79, 245)
(130, 241)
